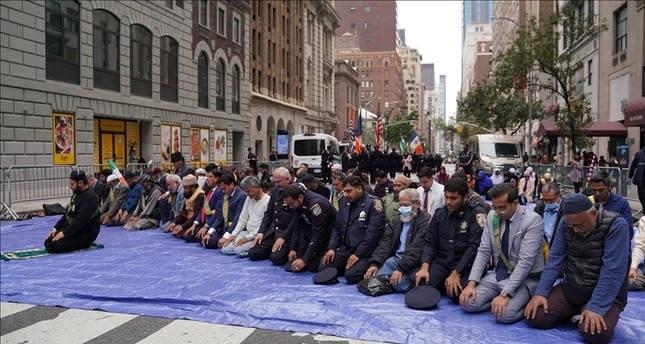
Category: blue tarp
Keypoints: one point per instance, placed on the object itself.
(152, 273)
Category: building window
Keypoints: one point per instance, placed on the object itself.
(386, 93)
(352, 25)
(106, 50)
(169, 69)
(220, 83)
(141, 60)
(202, 81)
(167, 3)
(621, 29)
(589, 72)
(386, 73)
(203, 13)
(386, 62)
(386, 83)
(221, 21)
(590, 13)
(62, 41)
(236, 89)
(367, 24)
(236, 29)
(353, 9)
(367, 9)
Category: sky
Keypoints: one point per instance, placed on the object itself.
(434, 28)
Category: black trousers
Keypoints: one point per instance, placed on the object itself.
(262, 251)
(212, 244)
(69, 244)
(354, 274)
(641, 196)
(439, 272)
(312, 265)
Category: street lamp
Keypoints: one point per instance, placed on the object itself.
(530, 91)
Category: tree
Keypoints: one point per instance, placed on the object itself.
(536, 47)
(393, 131)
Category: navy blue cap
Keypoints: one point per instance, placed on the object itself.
(376, 286)
(576, 203)
(423, 297)
(287, 266)
(326, 276)
(129, 175)
(307, 178)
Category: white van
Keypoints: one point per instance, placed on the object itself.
(495, 151)
(307, 148)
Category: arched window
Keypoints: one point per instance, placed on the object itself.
(202, 80)
(220, 84)
(62, 40)
(141, 60)
(236, 89)
(106, 38)
(169, 69)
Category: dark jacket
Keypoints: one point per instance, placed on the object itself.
(312, 226)
(637, 168)
(414, 242)
(453, 237)
(383, 190)
(359, 227)
(184, 171)
(235, 205)
(278, 218)
(82, 217)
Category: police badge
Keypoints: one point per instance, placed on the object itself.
(464, 226)
(481, 220)
(378, 205)
(316, 210)
(361, 216)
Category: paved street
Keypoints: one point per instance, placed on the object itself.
(22, 323)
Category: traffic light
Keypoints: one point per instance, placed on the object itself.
(459, 128)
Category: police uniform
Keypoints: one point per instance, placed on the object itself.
(451, 243)
(466, 161)
(277, 223)
(383, 190)
(357, 231)
(326, 161)
(314, 223)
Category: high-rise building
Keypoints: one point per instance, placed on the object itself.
(441, 146)
(476, 35)
(427, 72)
(413, 78)
(374, 22)
(475, 11)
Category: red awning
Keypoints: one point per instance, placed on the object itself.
(635, 113)
(550, 128)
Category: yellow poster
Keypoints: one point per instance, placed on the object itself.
(63, 136)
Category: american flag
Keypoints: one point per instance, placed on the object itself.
(378, 136)
(352, 136)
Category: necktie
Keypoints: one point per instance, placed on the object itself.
(225, 210)
(335, 200)
(502, 270)
(425, 200)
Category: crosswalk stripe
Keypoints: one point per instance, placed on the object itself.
(70, 327)
(28, 317)
(184, 331)
(132, 331)
(8, 308)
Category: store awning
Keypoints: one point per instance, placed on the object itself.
(635, 113)
(550, 128)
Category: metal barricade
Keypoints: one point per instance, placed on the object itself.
(629, 190)
(96, 168)
(5, 209)
(33, 182)
(140, 168)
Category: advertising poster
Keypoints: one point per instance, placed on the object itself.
(195, 145)
(205, 145)
(220, 147)
(176, 138)
(166, 149)
(63, 132)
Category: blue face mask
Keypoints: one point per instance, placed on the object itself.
(405, 210)
(552, 206)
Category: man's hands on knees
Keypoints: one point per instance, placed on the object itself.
(536, 302)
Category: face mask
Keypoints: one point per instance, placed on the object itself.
(405, 210)
(552, 206)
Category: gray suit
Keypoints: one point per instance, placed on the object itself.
(112, 206)
(525, 243)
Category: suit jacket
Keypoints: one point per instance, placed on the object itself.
(235, 205)
(435, 197)
(525, 242)
(111, 207)
(411, 258)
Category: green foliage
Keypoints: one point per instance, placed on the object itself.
(393, 131)
(534, 59)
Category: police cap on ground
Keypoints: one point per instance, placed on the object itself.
(176, 156)
(576, 203)
(423, 296)
(287, 266)
(326, 276)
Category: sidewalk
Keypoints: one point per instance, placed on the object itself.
(34, 206)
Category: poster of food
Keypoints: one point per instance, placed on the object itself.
(166, 150)
(205, 144)
(220, 146)
(176, 138)
(63, 132)
(195, 145)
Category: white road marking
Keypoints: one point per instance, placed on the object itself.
(185, 331)
(8, 308)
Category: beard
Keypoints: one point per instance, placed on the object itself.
(408, 218)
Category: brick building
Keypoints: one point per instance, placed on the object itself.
(346, 96)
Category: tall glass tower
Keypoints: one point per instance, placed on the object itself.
(480, 11)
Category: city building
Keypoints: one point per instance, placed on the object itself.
(430, 104)
(292, 70)
(374, 22)
(475, 11)
(88, 81)
(441, 146)
(346, 97)
(477, 36)
(413, 78)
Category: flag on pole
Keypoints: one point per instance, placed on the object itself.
(402, 145)
(358, 132)
(115, 171)
(378, 136)
(352, 136)
(415, 143)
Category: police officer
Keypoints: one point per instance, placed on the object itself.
(314, 222)
(451, 241)
(359, 226)
(466, 160)
(272, 240)
(326, 160)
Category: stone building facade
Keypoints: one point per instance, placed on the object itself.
(126, 76)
